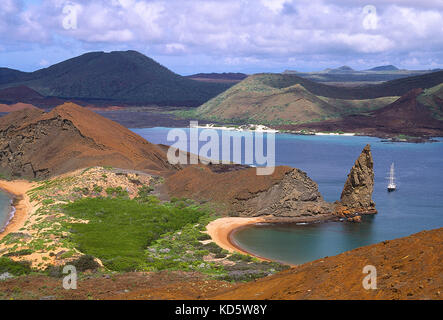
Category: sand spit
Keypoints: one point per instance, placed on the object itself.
(21, 203)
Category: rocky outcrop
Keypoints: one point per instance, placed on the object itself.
(357, 192)
(38, 145)
(287, 193)
(296, 195)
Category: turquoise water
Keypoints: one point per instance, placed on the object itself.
(416, 206)
(5, 209)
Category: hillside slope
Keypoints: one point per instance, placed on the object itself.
(35, 144)
(288, 99)
(280, 99)
(126, 77)
(23, 94)
(407, 268)
(415, 114)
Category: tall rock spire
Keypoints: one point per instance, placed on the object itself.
(357, 192)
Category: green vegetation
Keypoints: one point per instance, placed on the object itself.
(128, 235)
(120, 229)
(285, 99)
(432, 98)
(190, 249)
(14, 268)
(116, 192)
(19, 253)
(404, 137)
(275, 99)
(139, 234)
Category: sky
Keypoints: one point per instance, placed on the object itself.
(191, 36)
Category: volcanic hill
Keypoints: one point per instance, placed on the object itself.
(115, 77)
(288, 99)
(35, 144)
(407, 268)
(418, 113)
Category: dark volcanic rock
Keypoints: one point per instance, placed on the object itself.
(296, 195)
(357, 192)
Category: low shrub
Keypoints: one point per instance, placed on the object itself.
(84, 263)
(13, 267)
(24, 252)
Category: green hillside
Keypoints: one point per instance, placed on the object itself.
(281, 99)
(128, 77)
(433, 98)
(275, 99)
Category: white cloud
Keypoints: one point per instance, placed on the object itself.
(275, 6)
(43, 63)
(248, 32)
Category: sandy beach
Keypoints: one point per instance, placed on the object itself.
(21, 203)
(220, 231)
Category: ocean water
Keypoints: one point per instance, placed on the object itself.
(5, 209)
(417, 204)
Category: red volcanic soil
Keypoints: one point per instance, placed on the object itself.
(404, 116)
(231, 188)
(15, 107)
(36, 144)
(407, 268)
(161, 285)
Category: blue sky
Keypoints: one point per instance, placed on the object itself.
(190, 36)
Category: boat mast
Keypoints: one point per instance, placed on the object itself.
(391, 176)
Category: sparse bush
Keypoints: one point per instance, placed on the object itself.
(203, 237)
(24, 252)
(97, 189)
(13, 267)
(84, 263)
(117, 192)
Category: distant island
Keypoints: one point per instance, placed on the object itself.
(346, 76)
(406, 109)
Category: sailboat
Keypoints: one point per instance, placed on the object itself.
(392, 186)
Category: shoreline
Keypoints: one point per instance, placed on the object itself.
(12, 211)
(222, 231)
(382, 137)
(20, 203)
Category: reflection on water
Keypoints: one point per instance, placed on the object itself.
(297, 244)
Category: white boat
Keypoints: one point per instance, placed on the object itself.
(392, 185)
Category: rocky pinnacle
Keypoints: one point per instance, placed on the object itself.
(357, 192)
